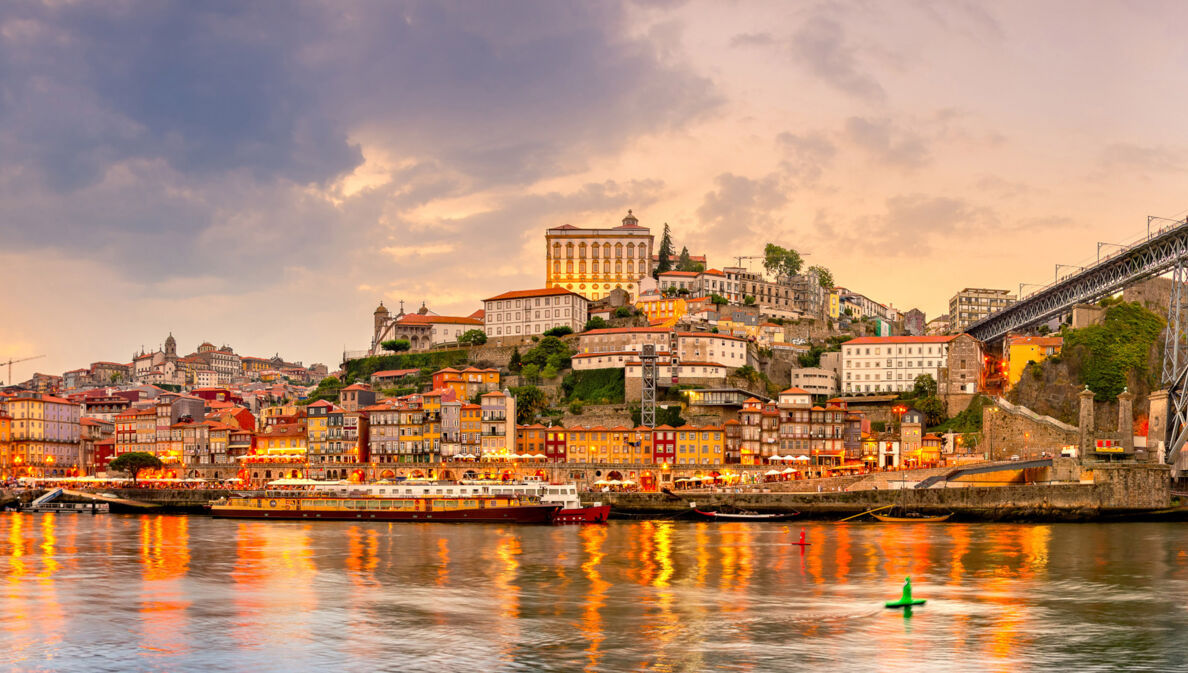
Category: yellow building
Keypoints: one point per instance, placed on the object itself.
(834, 304)
(5, 444)
(699, 445)
(662, 311)
(317, 429)
(282, 441)
(592, 262)
(1024, 349)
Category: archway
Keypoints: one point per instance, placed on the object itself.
(447, 475)
(417, 474)
(614, 475)
(295, 474)
(387, 474)
(470, 474)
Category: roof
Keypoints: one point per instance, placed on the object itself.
(626, 330)
(394, 372)
(878, 341)
(417, 319)
(681, 274)
(358, 386)
(543, 292)
(712, 334)
(795, 391)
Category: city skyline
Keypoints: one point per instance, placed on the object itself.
(268, 182)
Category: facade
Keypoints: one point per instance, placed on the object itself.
(1022, 350)
(592, 262)
(938, 326)
(891, 364)
(466, 383)
(45, 435)
(531, 312)
(423, 329)
(964, 373)
(498, 427)
(660, 310)
(816, 380)
(914, 323)
(972, 304)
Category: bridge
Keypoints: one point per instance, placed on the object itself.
(1163, 249)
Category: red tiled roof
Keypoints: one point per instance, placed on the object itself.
(794, 391)
(416, 319)
(543, 292)
(711, 334)
(626, 330)
(681, 274)
(358, 386)
(876, 341)
(395, 372)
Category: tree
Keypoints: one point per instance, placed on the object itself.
(514, 364)
(132, 463)
(933, 409)
(781, 261)
(718, 300)
(925, 386)
(684, 291)
(559, 331)
(530, 373)
(597, 322)
(396, 345)
(749, 300)
(328, 389)
(549, 372)
(624, 312)
(824, 276)
(549, 350)
(684, 263)
(473, 337)
(664, 257)
(530, 401)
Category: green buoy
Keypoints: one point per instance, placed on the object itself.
(906, 600)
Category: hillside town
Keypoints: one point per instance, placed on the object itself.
(766, 365)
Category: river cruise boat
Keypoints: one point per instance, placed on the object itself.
(314, 506)
(563, 495)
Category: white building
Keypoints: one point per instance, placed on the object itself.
(815, 380)
(891, 364)
(529, 312)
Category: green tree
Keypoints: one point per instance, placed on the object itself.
(597, 322)
(530, 401)
(473, 337)
(664, 257)
(718, 300)
(749, 300)
(575, 407)
(824, 276)
(684, 263)
(328, 389)
(559, 331)
(624, 312)
(749, 373)
(1116, 348)
(530, 373)
(545, 350)
(549, 372)
(924, 386)
(396, 345)
(132, 463)
(933, 409)
(781, 261)
(684, 291)
(515, 363)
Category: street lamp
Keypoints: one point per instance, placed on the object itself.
(1056, 278)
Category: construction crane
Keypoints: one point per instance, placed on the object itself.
(740, 259)
(11, 361)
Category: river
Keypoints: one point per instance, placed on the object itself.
(176, 593)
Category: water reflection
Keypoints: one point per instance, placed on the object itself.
(186, 594)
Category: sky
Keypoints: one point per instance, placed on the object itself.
(263, 174)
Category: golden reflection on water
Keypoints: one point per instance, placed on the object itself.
(272, 579)
(507, 552)
(593, 538)
(164, 561)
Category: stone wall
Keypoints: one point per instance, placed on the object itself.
(1010, 430)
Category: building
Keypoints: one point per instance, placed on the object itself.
(423, 329)
(891, 364)
(356, 396)
(498, 424)
(466, 383)
(45, 435)
(816, 381)
(531, 312)
(914, 323)
(660, 310)
(1023, 350)
(938, 326)
(972, 304)
(592, 262)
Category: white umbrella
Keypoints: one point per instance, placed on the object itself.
(771, 472)
(788, 470)
(614, 482)
(628, 482)
(603, 482)
(803, 458)
(540, 456)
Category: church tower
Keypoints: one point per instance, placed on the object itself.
(170, 347)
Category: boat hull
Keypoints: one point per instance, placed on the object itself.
(911, 519)
(597, 514)
(718, 516)
(525, 514)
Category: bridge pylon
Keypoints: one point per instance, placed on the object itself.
(1175, 366)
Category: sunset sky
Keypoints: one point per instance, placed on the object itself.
(262, 174)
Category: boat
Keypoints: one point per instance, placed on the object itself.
(910, 518)
(571, 511)
(312, 507)
(744, 515)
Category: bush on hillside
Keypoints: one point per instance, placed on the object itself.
(594, 385)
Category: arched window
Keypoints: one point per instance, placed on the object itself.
(619, 251)
(630, 251)
(582, 263)
(630, 264)
(594, 251)
(606, 250)
(556, 266)
(582, 250)
(569, 250)
(618, 267)
(556, 250)
(594, 265)
(569, 266)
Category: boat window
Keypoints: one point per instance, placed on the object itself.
(446, 504)
(470, 504)
(383, 490)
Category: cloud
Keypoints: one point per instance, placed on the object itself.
(821, 46)
(806, 156)
(888, 143)
(1133, 160)
(910, 225)
(738, 209)
(752, 40)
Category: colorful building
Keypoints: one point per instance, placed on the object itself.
(45, 435)
(662, 311)
(1023, 350)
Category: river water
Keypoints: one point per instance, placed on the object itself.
(174, 593)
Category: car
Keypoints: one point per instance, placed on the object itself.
(1015, 457)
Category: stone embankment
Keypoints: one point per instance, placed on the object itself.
(1116, 491)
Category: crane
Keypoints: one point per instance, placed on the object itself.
(11, 361)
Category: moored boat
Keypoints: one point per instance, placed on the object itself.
(307, 507)
(571, 510)
(912, 519)
(745, 516)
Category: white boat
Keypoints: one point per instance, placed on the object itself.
(566, 495)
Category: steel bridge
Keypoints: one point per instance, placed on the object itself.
(1160, 251)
